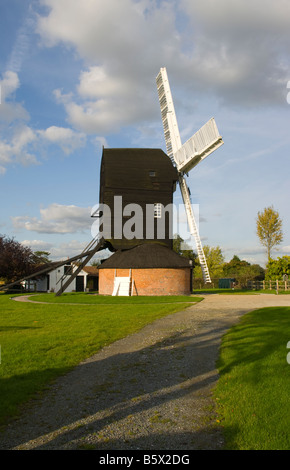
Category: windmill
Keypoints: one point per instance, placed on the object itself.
(186, 156)
(146, 177)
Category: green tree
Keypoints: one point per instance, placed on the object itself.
(177, 240)
(233, 267)
(180, 247)
(215, 262)
(269, 229)
(41, 257)
(276, 269)
(252, 272)
(243, 271)
(96, 263)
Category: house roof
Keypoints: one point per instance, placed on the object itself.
(91, 270)
(146, 256)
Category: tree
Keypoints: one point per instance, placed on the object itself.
(16, 260)
(232, 268)
(269, 229)
(252, 272)
(177, 241)
(215, 261)
(41, 257)
(277, 268)
(182, 249)
(96, 263)
(243, 271)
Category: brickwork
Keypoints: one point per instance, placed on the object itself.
(149, 281)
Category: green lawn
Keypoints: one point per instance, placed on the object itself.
(84, 298)
(253, 390)
(39, 342)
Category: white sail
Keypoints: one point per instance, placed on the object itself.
(187, 156)
(198, 147)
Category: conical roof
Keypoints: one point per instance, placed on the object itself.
(146, 256)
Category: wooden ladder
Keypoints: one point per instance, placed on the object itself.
(122, 285)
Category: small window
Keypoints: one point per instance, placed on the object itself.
(157, 210)
(67, 269)
(152, 173)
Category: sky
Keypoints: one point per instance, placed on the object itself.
(77, 76)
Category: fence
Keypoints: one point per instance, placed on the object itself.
(269, 285)
(276, 285)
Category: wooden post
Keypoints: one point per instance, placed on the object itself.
(277, 286)
(264, 287)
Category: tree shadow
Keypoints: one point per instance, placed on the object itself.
(154, 397)
(255, 339)
(17, 328)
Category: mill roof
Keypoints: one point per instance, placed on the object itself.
(146, 256)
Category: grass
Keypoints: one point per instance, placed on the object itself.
(39, 342)
(225, 291)
(42, 341)
(76, 297)
(252, 393)
(239, 291)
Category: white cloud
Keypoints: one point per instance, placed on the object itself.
(56, 218)
(106, 100)
(16, 149)
(237, 50)
(23, 137)
(19, 141)
(67, 250)
(57, 251)
(240, 49)
(9, 84)
(37, 245)
(123, 45)
(110, 31)
(103, 115)
(21, 145)
(66, 138)
(259, 16)
(9, 109)
(22, 43)
(95, 83)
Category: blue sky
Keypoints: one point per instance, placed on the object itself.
(77, 75)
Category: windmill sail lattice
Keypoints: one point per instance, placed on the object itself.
(186, 156)
(170, 126)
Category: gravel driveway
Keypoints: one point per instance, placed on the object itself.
(150, 390)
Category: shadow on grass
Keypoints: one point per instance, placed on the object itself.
(17, 390)
(110, 401)
(257, 336)
(17, 328)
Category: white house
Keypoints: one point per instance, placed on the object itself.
(87, 279)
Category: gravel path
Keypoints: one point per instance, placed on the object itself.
(150, 390)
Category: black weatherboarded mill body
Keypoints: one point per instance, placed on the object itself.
(143, 177)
